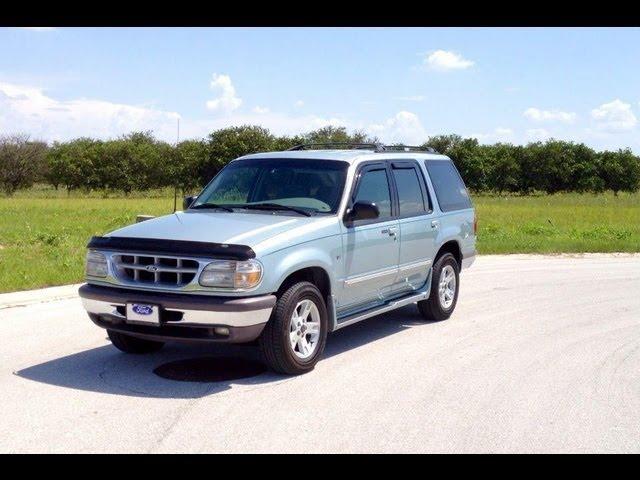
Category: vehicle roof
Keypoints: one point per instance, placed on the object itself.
(351, 156)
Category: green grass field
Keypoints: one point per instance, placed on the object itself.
(42, 240)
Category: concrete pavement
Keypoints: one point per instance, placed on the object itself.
(541, 355)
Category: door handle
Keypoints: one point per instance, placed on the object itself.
(391, 232)
(435, 224)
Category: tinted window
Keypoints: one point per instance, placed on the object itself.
(308, 184)
(374, 187)
(409, 191)
(450, 190)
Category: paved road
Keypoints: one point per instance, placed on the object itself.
(541, 355)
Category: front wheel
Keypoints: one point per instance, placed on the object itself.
(445, 283)
(129, 344)
(294, 338)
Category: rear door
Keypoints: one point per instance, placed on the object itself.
(418, 225)
(371, 247)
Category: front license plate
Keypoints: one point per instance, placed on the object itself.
(143, 313)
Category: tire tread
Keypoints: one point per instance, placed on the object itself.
(271, 346)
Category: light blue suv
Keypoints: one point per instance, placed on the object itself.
(285, 247)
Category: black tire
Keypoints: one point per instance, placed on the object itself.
(432, 309)
(129, 344)
(275, 345)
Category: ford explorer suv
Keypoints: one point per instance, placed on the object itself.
(283, 248)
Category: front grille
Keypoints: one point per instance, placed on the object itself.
(155, 270)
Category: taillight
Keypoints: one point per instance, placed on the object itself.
(475, 223)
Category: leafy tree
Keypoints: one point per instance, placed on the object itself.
(331, 134)
(467, 155)
(21, 160)
(228, 143)
(188, 158)
(138, 161)
(585, 171)
(504, 166)
(443, 143)
(620, 171)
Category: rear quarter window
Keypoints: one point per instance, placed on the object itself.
(448, 185)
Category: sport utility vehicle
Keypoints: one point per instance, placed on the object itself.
(285, 247)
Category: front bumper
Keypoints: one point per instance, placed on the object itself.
(182, 316)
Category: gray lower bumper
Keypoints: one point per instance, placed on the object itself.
(182, 316)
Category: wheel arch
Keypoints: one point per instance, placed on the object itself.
(314, 274)
(319, 276)
(453, 247)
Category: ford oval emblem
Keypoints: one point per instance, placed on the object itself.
(142, 309)
(151, 268)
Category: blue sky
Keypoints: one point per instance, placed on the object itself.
(402, 84)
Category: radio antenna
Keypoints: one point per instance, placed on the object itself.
(175, 186)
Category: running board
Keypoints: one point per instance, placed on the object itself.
(392, 305)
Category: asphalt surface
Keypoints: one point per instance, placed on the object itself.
(541, 355)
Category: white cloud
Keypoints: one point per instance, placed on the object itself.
(40, 29)
(504, 132)
(227, 101)
(29, 110)
(299, 104)
(259, 109)
(554, 115)
(615, 116)
(277, 122)
(442, 61)
(536, 134)
(404, 127)
(411, 98)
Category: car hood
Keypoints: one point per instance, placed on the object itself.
(262, 232)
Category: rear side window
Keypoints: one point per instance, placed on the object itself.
(450, 190)
(409, 191)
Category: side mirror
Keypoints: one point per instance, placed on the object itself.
(362, 210)
(187, 201)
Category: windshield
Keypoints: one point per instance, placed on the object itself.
(311, 185)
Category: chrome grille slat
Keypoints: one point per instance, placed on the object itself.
(160, 268)
(155, 270)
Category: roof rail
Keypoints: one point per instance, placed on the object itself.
(347, 145)
(376, 147)
(408, 148)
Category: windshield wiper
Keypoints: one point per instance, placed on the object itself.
(203, 206)
(274, 206)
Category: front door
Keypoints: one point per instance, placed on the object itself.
(371, 248)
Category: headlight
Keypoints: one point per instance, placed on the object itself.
(231, 274)
(96, 264)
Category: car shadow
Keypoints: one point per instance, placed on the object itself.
(106, 370)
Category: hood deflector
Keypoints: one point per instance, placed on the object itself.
(173, 247)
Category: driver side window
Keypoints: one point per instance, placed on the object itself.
(374, 187)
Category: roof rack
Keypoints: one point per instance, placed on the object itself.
(408, 148)
(347, 145)
(376, 147)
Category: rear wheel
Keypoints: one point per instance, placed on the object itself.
(445, 284)
(294, 338)
(129, 344)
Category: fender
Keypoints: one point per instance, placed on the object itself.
(317, 254)
(300, 258)
(447, 234)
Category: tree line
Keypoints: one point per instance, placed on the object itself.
(138, 161)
